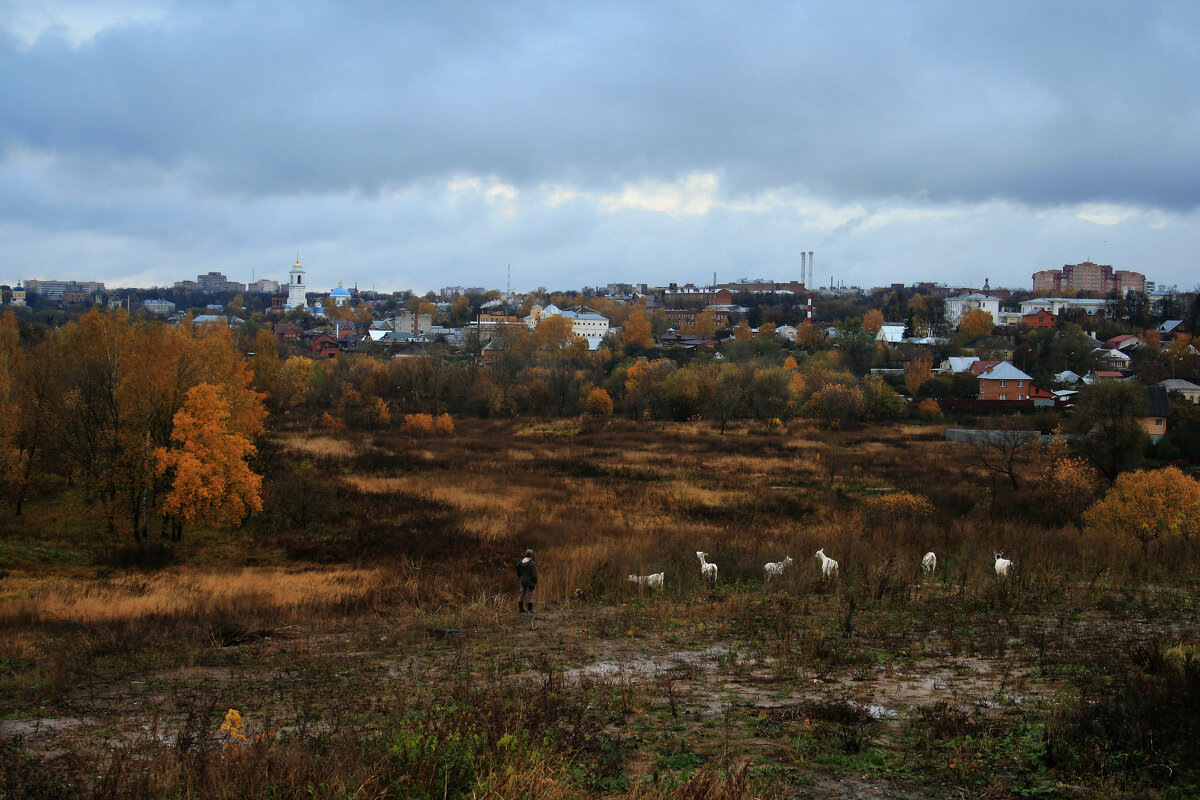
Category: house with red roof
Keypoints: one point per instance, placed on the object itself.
(1005, 382)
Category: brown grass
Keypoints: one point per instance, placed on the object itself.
(320, 446)
(187, 592)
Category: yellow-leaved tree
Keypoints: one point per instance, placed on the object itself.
(976, 323)
(207, 468)
(918, 371)
(872, 321)
(1149, 505)
(598, 403)
(637, 331)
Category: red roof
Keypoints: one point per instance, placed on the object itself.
(979, 367)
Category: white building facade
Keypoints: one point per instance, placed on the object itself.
(296, 288)
(958, 307)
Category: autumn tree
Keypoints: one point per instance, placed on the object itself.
(598, 403)
(856, 348)
(727, 387)
(873, 321)
(11, 363)
(643, 385)
(976, 323)
(1004, 450)
(806, 336)
(742, 332)
(706, 325)
(1072, 483)
(838, 405)
(460, 310)
(208, 465)
(37, 377)
(1149, 505)
(1182, 358)
(767, 397)
(918, 371)
(119, 402)
(636, 332)
(1107, 421)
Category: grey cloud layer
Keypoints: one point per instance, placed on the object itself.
(1040, 103)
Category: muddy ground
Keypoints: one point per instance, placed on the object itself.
(811, 699)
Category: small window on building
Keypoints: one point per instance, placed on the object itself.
(1003, 384)
(1003, 397)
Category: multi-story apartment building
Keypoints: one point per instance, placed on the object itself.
(54, 289)
(1087, 277)
(217, 282)
(263, 286)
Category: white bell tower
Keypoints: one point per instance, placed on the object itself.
(296, 288)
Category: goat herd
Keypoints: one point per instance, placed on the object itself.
(774, 569)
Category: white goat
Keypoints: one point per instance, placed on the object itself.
(1002, 565)
(829, 567)
(774, 569)
(929, 563)
(707, 568)
(654, 581)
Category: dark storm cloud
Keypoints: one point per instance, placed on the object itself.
(1039, 103)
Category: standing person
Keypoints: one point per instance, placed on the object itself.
(527, 574)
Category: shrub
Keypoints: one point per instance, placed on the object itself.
(444, 424)
(598, 403)
(896, 508)
(1071, 482)
(1141, 725)
(929, 409)
(419, 424)
(837, 405)
(1149, 505)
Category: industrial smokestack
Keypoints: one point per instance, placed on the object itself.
(802, 272)
(810, 263)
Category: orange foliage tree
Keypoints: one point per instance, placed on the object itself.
(873, 321)
(1072, 482)
(976, 323)
(598, 403)
(210, 478)
(918, 371)
(637, 331)
(806, 336)
(1149, 505)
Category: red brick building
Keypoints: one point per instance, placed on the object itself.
(1040, 319)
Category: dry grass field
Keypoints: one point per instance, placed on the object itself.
(360, 637)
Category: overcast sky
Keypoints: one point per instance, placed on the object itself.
(416, 145)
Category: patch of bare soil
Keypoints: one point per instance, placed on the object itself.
(729, 702)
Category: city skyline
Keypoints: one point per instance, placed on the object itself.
(417, 146)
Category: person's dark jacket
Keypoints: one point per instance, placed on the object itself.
(527, 572)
